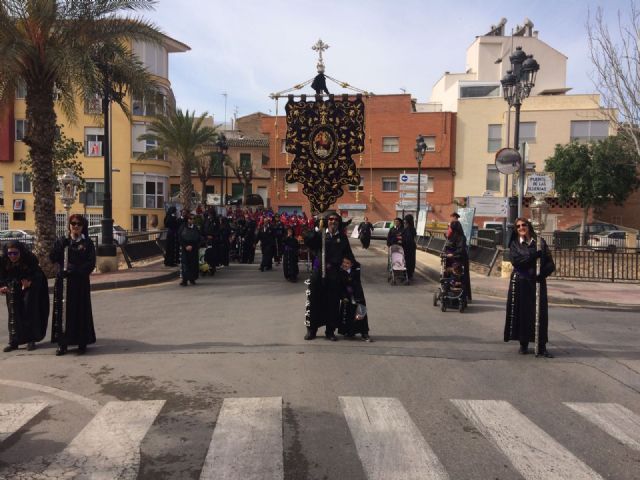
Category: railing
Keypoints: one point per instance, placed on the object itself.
(620, 265)
(481, 252)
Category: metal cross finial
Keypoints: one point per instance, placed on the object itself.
(320, 47)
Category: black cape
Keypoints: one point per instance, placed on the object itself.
(352, 295)
(291, 250)
(189, 260)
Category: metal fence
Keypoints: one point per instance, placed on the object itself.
(621, 265)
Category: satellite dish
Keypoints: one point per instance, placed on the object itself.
(508, 160)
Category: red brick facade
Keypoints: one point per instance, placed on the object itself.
(385, 116)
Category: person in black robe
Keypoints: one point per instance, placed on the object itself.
(210, 233)
(25, 286)
(267, 242)
(249, 247)
(290, 253)
(189, 255)
(323, 294)
(409, 245)
(279, 235)
(75, 326)
(353, 306)
(223, 242)
(521, 299)
(172, 247)
(394, 237)
(456, 250)
(365, 229)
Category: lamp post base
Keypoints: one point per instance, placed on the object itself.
(106, 258)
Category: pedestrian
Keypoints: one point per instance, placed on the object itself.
(521, 299)
(189, 254)
(172, 246)
(455, 250)
(291, 249)
(323, 294)
(394, 237)
(409, 245)
(223, 242)
(353, 306)
(210, 232)
(365, 229)
(267, 242)
(279, 235)
(75, 256)
(24, 284)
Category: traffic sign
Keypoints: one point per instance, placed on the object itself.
(412, 178)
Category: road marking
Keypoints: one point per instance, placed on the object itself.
(247, 441)
(14, 415)
(87, 403)
(535, 454)
(618, 421)
(389, 444)
(109, 446)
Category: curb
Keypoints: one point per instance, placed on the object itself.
(132, 282)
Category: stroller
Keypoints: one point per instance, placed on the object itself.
(206, 260)
(396, 265)
(451, 292)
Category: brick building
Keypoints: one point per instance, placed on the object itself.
(392, 125)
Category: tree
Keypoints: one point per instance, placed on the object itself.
(206, 167)
(616, 59)
(595, 173)
(182, 135)
(244, 174)
(50, 45)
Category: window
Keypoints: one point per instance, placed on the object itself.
(475, 90)
(154, 57)
(148, 191)
(21, 183)
(94, 193)
(138, 146)
(236, 190)
(21, 90)
(493, 179)
(174, 190)
(390, 184)
(360, 187)
(265, 160)
(528, 132)
(390, 144)
(291, 187)
(21, 130)
(93, 105)
(2, 194)
(430, 141)
(283, 146)
(245, 162)
(93, 138)
(139, 223)
(589, 130)
(495, 138)
(156, 104)
(429, 184)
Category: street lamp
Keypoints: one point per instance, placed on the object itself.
(516, 86)
(68, 184)
(421, 148)
(222, 145)
(539, 212)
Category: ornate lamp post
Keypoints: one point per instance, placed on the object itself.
(421, 148)
(539, 212)
(222, 145)
(69, 184)
(516, 86)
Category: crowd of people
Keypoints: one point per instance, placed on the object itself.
(334, 297)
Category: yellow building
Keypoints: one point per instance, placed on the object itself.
(139, 188)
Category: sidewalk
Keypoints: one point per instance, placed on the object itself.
(606, 294)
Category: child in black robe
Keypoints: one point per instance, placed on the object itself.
(353, 309)
(290, 256)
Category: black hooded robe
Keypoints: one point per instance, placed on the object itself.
(189, 236)
(521, 299)
(171, 251)
(365, 230)
(290, 255)
(77, 326)
(28, 309)
(352, 294)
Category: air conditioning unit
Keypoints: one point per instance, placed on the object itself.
(213, 199)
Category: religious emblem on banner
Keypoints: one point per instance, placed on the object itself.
(323, 135)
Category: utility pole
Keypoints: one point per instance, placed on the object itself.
(224, 125)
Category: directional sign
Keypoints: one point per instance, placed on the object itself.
(412, 178)
(490, 206)
(539, 184)
(405, 187)
(423, 195)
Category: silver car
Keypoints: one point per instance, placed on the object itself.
(608, 240)
(381, 229)
(119, 233)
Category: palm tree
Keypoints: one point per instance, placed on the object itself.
(52, 47)
(181, 135)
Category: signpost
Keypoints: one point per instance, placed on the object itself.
(408, 193)
(490, 206)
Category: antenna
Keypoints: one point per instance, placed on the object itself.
(224, 125)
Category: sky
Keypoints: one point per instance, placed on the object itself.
(248, 49)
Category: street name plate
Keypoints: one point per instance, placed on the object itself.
(539, 184)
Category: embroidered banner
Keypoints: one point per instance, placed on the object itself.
(322, 135)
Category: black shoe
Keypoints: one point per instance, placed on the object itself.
(261, 269)
(310, 334)
(523, 350)
(61, 350)
(183, 284)
(82, 349)
(366, 337)
(545, 354)
(331, 337)
(193, 282)
(10, 348)
(31, 346)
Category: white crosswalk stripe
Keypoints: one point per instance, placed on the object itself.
(247, 441)
(108, 447)
(618, 421)
(389, 444)
(14, 415)
(535, 454)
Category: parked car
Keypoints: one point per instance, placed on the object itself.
(381, 229)
(119, 233)
(25, 236)
(608, 240)
(594, 227)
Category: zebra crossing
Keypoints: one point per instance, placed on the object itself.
(247, 441)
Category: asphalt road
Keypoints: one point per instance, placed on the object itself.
(436, 395)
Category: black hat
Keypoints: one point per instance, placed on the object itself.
(455, 214)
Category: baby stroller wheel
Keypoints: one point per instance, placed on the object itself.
(435, 299)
